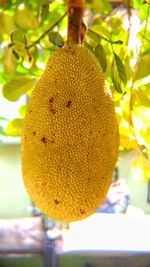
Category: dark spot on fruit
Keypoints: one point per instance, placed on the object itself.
(99, 131)
(34, 132)
(82, 211)
(51, 100)
(104, 134)
(30, 110)
(56, 201)
(52, 141)
(69, 104)
(52, 110)
(44, 140)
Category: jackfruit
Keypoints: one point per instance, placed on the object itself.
(70, 137)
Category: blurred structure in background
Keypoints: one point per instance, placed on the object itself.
(118, 196)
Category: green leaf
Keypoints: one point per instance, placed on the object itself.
(16, 87)
(43, 2)
(3, 118)
(14, 127)
(102, 31)
(43, 12)
(118, 73)
(137, 3)
(7, 23)
(143, 66)
(22, 111)
(16, 55)
(121, 69)
(116, 24)
(145, 52)
(89, 47)
(115, 78)
(101, 56)
(9, 63)
(25, 19)
(18, 36)
(56, 39)
(99, 6)
(92, 39)
(141, 98)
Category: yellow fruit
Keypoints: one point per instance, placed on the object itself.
(70, 137)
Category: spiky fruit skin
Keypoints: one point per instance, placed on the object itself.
(70, 137)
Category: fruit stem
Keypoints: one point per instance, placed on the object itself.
(76, 26)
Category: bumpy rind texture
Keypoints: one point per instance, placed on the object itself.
(70, 137)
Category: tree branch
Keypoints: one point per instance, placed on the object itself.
(129, 18)
(46, 32)
(105, 38)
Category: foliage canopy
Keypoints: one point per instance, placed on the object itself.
(119, 36)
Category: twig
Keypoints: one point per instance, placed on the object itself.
(105, 38)
(129, 18)
(145, 38)
(46, 32)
